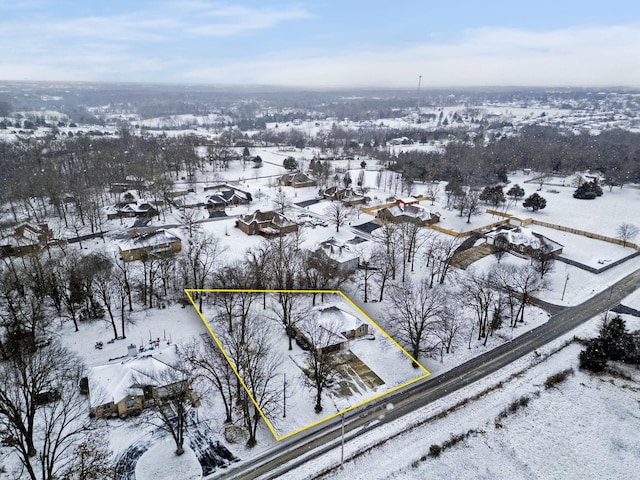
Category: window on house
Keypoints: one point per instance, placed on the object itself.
(362, 328)
(129, 403)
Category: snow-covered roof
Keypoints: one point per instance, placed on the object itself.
(525, 237)
(413, 211)
(148, 239)
(337, 251)
(332, 317)
(112, 383)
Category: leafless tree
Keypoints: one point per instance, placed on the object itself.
(287, 309)
(107, 288)
(43, 416)
(338, 213)
(189, 218)
(210, 364)
(438, 252)
(389, 236)
(415, 311)
(469, 204)
(321, 273)
(448, 325)
(257, 364)
(92, 458)
(626, 232)
(172, 400)
(478, 293)
(281, 201)
(200, 261)
(519, 282)
(367, 270)
(321, 367)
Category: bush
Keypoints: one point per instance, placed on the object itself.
(435, 451)
(557, 378)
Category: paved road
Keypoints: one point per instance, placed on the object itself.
(295, 451)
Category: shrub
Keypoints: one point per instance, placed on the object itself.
(435, 450)
(557, 378)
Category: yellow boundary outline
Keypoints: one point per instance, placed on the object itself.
(334, 415)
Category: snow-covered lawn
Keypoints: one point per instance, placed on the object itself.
(584, 427)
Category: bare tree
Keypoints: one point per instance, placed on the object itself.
(519, 282)
(416, 309)
(210, 364)
(287, 309)
(171, 399)
(448, 325)
(321, 273)
(281, 201)
(469, 204)
(478, 293)
(200, 261)
(321, 367)
(367, 270)
(257, 363)
(626, 232)
(338, 213)
(438, 252)
(42, 414)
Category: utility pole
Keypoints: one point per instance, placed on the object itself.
(565, 287)
(342, 443)
(284, 395)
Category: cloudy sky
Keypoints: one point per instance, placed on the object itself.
(324, 43)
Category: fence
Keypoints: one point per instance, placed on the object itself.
(575, 231)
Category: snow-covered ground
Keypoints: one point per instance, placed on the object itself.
(603, 215)
(584, 427)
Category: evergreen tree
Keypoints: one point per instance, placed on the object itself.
(535, 202)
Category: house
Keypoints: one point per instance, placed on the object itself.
(523, 241)
(296, 180)
(339, 254)
(128, 387)
(220, 199)
(407, 201)
(34, 235)
(400, 213)
(265, 223)
(330, 329)
(336, 193)
(140, 209)
(142, 243)
(345, 195)
(27, 239)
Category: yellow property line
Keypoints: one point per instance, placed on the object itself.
(255, 403)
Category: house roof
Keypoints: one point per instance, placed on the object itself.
(331, 317)
(412, 211)
(112, 383)
(333, 322)
(266, 217)
(525, 237)
(148, 238)
(226, 196)
(337, 251)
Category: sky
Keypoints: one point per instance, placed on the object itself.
(324, 43)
